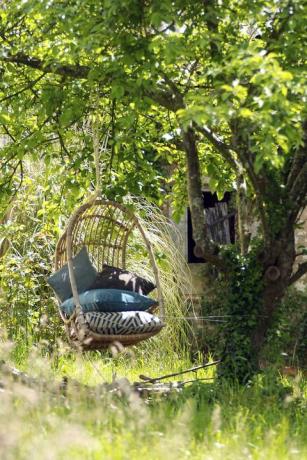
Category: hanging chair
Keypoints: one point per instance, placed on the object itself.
(105, 228)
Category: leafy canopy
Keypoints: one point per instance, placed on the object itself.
(232, 69)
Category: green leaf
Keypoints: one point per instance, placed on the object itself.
(118, 91)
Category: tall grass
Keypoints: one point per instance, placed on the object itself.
(206, 421)
(175, 276)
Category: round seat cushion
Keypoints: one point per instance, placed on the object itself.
(123, 323)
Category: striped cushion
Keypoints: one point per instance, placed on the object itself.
(122, 323)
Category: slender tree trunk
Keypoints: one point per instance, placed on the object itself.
(242, 230)
(195, 191)
(203, 248)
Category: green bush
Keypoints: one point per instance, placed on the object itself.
(28, 312)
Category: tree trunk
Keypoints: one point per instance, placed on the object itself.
(203, 248)
(257, 280)
(242, 225)
(195, 190)
(256, 289)
(277, 269)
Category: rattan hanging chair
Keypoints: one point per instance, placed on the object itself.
(105, 228)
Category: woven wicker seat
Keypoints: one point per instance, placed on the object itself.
(104, 227)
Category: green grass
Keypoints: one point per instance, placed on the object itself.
(205, 421)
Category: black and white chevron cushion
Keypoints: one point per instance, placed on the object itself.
(122, 323)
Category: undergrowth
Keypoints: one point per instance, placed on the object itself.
(207, 420)
(29, 310)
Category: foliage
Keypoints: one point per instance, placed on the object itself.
(287, 340)
(243, 306)
(218, 85)
(27, 304)
(73, 66)
(37, 218)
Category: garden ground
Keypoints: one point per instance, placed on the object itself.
(207, 420)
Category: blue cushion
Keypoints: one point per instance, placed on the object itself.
(109, 300)
(85, 275)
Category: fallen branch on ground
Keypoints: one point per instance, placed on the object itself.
(66, 386)
(192, 369)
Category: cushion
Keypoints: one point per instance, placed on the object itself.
(117, 278)
(128, 322)
(109, 300)
(85, 275)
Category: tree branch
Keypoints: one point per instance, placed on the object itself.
(171, 99)
(167, 99)
(280, 20)
(297, 196)
(300, 158)
(212, 22)
(225, 152)
(8, 133)
(302, 269)
(22, 90)
(258, 189)
(247, 164)
(220, 146)
(68, 70)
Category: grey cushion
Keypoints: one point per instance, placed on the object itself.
(85, 275)
(127, 322)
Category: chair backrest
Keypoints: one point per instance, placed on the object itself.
(104, 228)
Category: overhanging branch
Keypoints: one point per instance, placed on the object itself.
(68, 70)
(220, 146)
(302, 269)
(165, 98)
(22, 90)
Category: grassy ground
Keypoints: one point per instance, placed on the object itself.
(205, 421)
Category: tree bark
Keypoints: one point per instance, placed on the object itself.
(204, 247)
(282, 259)
(255, 293)
(242, 226)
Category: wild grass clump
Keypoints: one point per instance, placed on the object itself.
(175, 276)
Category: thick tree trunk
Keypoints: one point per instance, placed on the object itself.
(255, 293)
(257, 281)
(277, 268)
